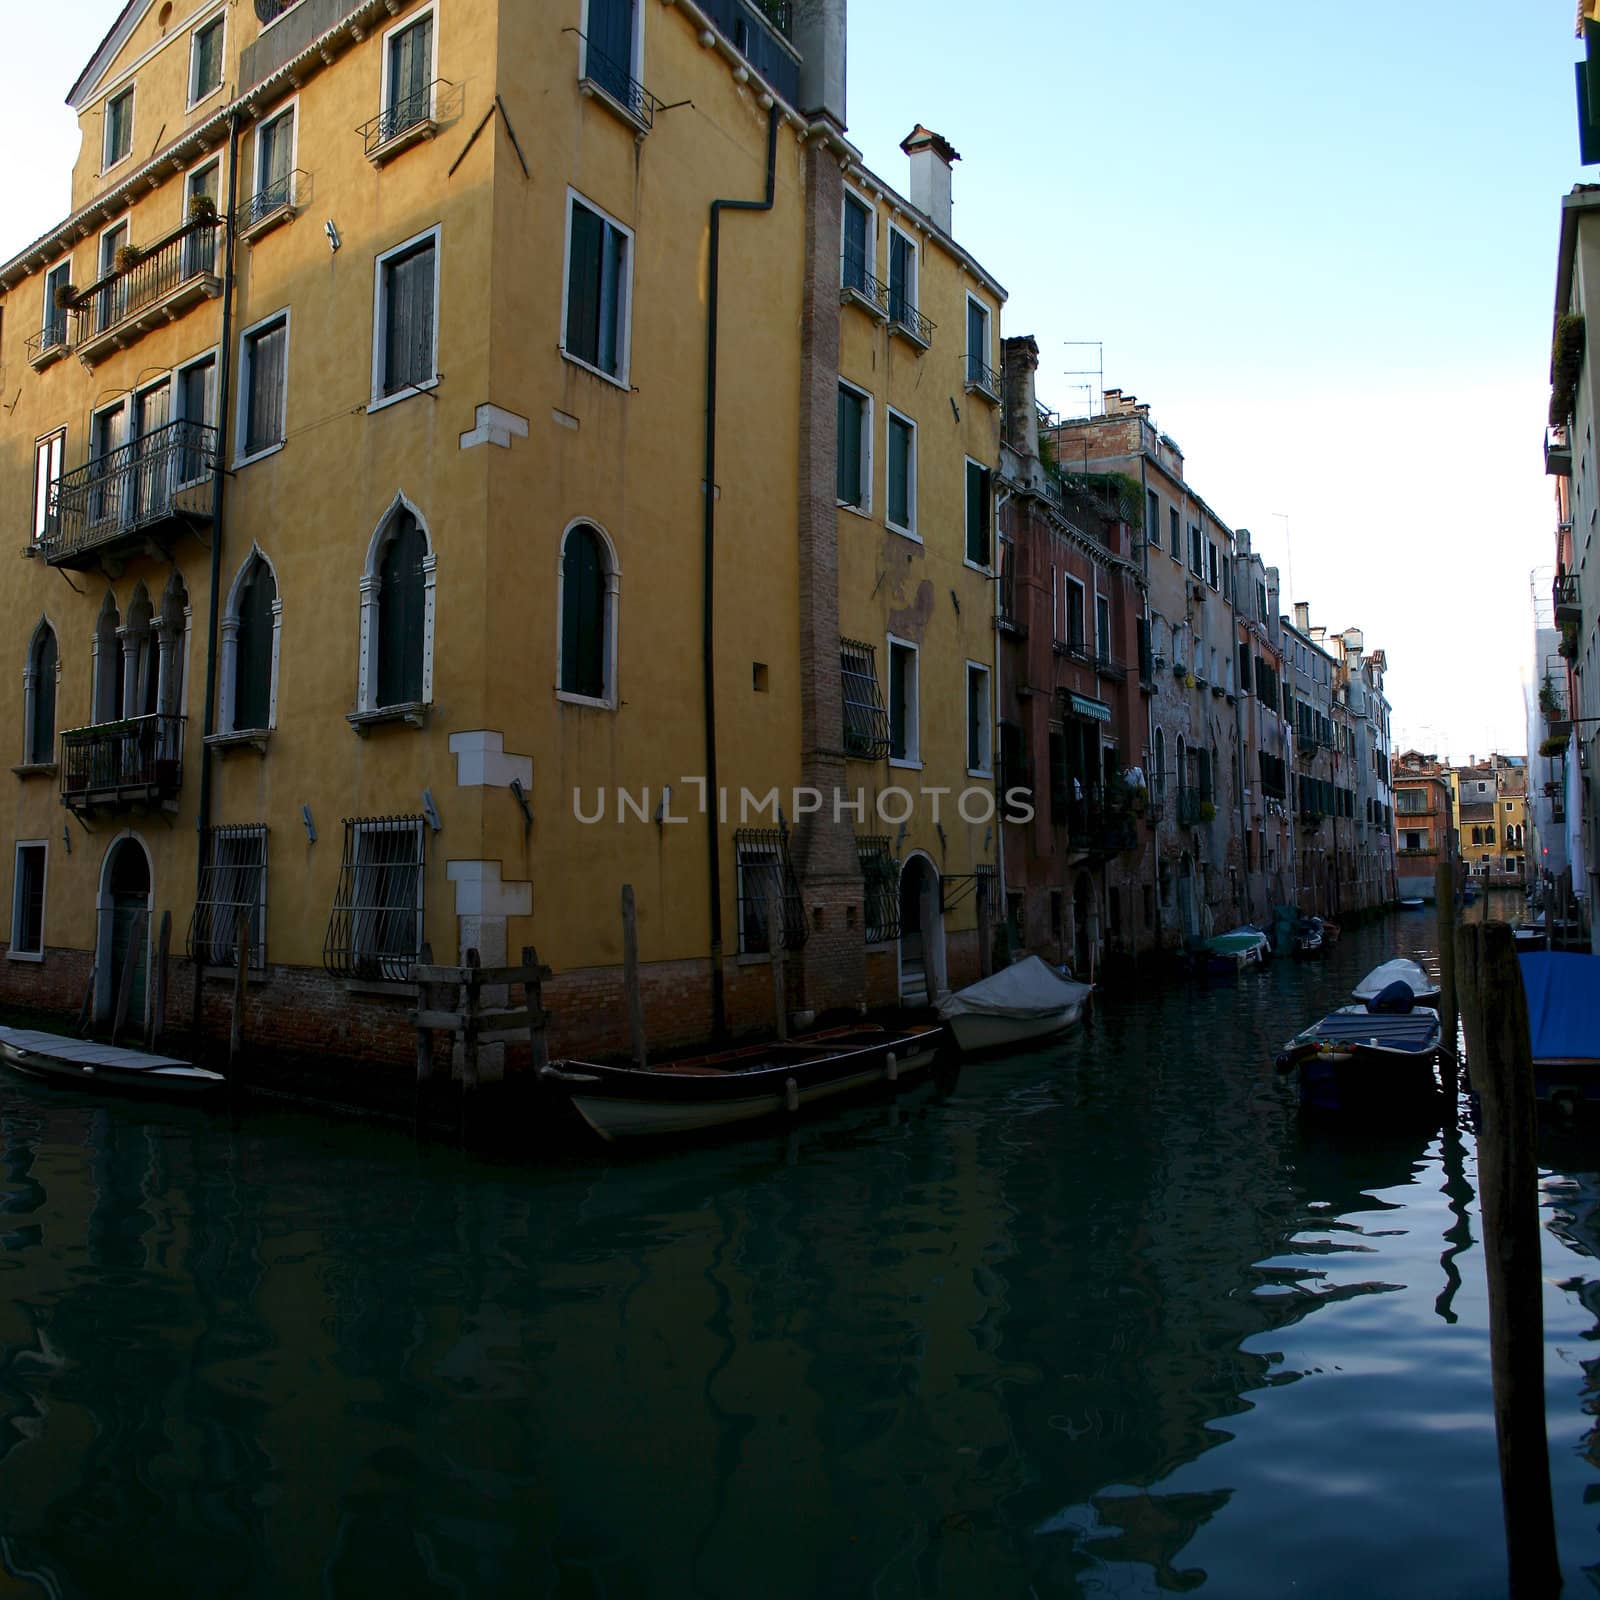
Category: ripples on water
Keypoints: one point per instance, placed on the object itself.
(1106, 1321)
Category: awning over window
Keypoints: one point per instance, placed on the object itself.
(1082, 706)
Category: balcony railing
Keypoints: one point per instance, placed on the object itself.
(1418, 850)
(1010, 619)
(276, 202)
(49, 343)
(1108, 666)
(1076, 648)
(614, 80)
(415, 117)
(856, 283)
(176, 272)
(905, 318)
(780, 13)
(1565, 594)
(161, 483)
(122, 763)
(1189, 803)
(984, 379)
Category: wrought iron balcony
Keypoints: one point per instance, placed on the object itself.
(279, 202)
(1010, 619)
(982, 379)
(1076, 648)
(150, 290)
(1565, 594)
(50, 343)
(858, 285)
(618, 85)
(151, 489)
(780, 13)
(405, 122)
(138, 761)
(905, 319)
(1108, 666)
(1190, 803)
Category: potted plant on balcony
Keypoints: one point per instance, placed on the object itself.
(64, 296)
(1208, 811)
(1548, 703)
(1552, 747)
(202, 208)
(1569, 641)
(126, 258)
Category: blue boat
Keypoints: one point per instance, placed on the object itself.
(1563, 1026)
(1376, 1057)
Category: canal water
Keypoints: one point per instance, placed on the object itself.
(1107, 1320)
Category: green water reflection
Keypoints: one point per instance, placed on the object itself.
(1107, 1320)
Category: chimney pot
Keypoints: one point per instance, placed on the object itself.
(931, 160)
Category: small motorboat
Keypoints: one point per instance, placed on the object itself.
(1564, 1027)
(1530, 936)
(1376, 1057)
(761, 1080)
(87, 1064)
(1424, 990)
(1412, 902)
(1023, 1004)
(1233, 952)
(1306, 937)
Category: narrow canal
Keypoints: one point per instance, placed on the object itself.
(1108, 1320)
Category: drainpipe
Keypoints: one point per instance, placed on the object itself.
(999, 700)
(219, 481)
(719, 1021)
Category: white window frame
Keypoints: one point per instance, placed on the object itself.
(41, 447)
(909, 531)
(241, 409)
(988, 339)
(367, 670)
(214, 356)
(625, 329)
(228, 659)
(288, 108)
(853, 194)
(609, 700)
(51, 314)
(865, 508)
(985, 768)
(390, 34)
(379, 309)
(12, 953)
(30, 692)
(106, 163)
(219, 15)
(635, 61)
(218, 161)
(914, 298)
(293, 5)
(1083, 642)
(912, 760)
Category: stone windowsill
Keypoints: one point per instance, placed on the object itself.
(35, 769)
(242, 738)
(414, 713)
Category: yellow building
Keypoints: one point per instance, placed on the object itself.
(1490, 800)
(372, 588)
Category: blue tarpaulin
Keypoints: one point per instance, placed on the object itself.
(1563, 1005)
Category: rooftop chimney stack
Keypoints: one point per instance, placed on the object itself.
(1302, 615)
(931, 160)
(818, 33)
(1020, 361)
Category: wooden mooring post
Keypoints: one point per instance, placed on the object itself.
(1444, 896)
(630, 978)
(985, 928)
(474, 1023)
(1494, 1010)
(157, 1023)
(241, 971)
(780, 976)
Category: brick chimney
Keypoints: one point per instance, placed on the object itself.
(1019, 358)
(931, 160)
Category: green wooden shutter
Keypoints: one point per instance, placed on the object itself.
(42, 732)
(400, 615)
(583, 285)
(899, 473)
(849, 487)
(978, 503)
(583, 598)
(252, 661)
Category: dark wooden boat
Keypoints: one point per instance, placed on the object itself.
(764, 1080)
(87, 1064)
(1360, 1059)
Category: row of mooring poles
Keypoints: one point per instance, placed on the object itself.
(1479, 973)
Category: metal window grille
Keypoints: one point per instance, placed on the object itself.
(233, 884)
(375, 931)
(762, 856)
(866, 719)
(880, 874)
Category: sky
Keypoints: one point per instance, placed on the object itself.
(1320, 243)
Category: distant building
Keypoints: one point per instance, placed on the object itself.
(1425, 835)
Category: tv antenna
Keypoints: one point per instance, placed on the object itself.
(1097, 389)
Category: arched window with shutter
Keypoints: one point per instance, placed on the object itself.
(252, 624)
(397, 611)
(39, 697)
(588, 586)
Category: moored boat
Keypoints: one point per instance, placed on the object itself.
(1423, 989)
(1411, 902)
(714, 1091)
(87, 1064)
(1233, 952)
(1377, 1057)
(1563, 1027)
(1026, 1003)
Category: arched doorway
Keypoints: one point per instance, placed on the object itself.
(124, 905)
(922, 969)
(1188, 912)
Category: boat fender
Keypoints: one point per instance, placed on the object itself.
(891, 1068)
(791, 1095)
